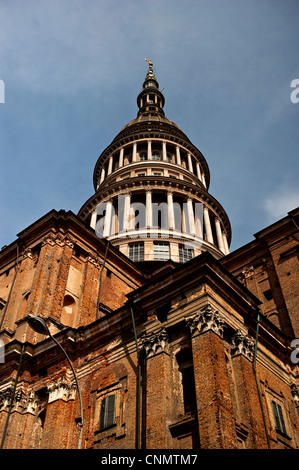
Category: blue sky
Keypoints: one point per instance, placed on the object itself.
(72, 70)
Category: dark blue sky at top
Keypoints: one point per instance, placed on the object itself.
(72, 70)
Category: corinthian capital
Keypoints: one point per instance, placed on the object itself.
(62, 389)
(153, 343)
(207, 319)
(242, 344)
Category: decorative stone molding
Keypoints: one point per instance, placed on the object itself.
(153, 343)
(58, 240)
(49, 239)
(242, 344)
(32, 403)
(27, 253)
(20, 401)
(207, 319)
(248, 272)
(94, 261)
(295, 394)
(62, 389)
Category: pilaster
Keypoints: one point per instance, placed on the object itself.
(247, 391)
(155, 348)
(214, 406)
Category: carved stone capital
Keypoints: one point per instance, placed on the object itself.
(48, 239)
(295, 394)
(27, 253)
(242, 344)
(93, 260)
(61, 389)
(248, 272)
(207, 319)
(19, 400)
(32, 403)
(153, 343)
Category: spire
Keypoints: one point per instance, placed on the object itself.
(150, 74)
(150, 100)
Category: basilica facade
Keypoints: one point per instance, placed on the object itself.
(131, 325)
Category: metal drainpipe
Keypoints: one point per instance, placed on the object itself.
(80, 423)
(12, 398)
(256, 379)
(138, 382)
(11, 287)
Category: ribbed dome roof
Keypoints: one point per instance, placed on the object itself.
(151, 118)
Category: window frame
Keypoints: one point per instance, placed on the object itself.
(107, 412)
(157, 253)
(184, 253)
(279, 418)
(137, 255)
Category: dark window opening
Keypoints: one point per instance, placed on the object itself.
(107, 413)
(108, 273)
(268, 294)
(189, 390)
(278, 417)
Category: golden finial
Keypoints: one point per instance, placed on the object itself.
(150, 64)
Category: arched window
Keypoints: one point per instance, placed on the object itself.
(68, 308)
(156, 156)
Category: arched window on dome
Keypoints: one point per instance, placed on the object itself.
(156, 156)
(68, 309)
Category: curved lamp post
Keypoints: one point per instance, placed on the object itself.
(39, 325)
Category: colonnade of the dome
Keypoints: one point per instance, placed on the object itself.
(151, 183)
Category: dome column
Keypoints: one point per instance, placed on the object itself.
(93, 220)
(108, 219)
(149, 214)
(178, 155)
(190, 166)
(191, 220)
(149, 150)
(198, 171)
(170, 210)
(219, 235)
(207, 224)
(134, 155)
(121, 158)
(127, 212)
(164, 151)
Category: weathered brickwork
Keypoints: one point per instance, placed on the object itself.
(196, 335)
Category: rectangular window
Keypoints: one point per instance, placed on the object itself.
(278, 416)
(136, 251)
(189, 389)
(161, 251)
(143, 157)
(185, 253)
(107, 413)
